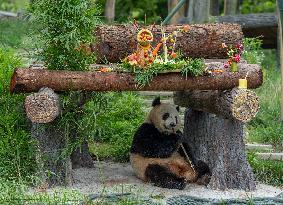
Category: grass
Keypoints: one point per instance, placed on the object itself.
(267, 127)
(267, 171)
(17, 193)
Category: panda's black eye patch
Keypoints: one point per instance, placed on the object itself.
(165, 116)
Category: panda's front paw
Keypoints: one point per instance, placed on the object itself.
(181, 138)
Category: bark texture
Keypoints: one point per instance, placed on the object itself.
(214, 7)
(239, 104)
(255, 25)
(42, 107)
(230, 7)
(110, 10)
(219, 143)
(114, 43)
(52, 166)
(31, 80)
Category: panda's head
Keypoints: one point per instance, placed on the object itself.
(165, 117)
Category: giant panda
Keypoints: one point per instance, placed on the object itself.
(156, 155)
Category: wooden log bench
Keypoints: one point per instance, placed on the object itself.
(216, 109)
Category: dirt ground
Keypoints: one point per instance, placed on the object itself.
(119, 178)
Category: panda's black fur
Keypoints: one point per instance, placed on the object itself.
(156, 155)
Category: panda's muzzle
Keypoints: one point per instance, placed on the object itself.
(172, 124)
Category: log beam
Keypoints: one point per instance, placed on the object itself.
(32, 80)
(239, 104)
(114, 43)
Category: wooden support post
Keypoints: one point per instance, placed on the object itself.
(219, 143)
(52, 140)
(214, 128)
(53, 168)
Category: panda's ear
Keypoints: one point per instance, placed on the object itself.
(178, 108)
(156, 102)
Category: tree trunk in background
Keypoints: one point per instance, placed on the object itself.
(230, 7)
(219, 143)
(53, 168)
(110, 10)
(214, 8)
(201, 11)
(179, 15)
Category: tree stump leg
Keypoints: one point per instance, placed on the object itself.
(219, 143)
(53, 167)
(81, 157)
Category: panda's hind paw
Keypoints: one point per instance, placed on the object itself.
(163, 177)
(179, 184)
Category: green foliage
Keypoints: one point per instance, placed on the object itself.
(258, 6)
(127, 10)
(193, 67)
(13, 5)
(16, 150)
(267, 171)
(253, 52)
(65, 26)
(12, 33)
(114, 124)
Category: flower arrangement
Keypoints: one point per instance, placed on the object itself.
(234, 53)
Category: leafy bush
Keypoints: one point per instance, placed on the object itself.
(114, 124)
(66, 29)
(16, 150)
(257, 6)
(13, 5)
(253, 52)
(12, 33)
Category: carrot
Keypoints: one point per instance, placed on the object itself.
(156, 49)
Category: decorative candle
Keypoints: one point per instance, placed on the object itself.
(243, 83)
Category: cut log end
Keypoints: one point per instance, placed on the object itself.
(245, 105)
(42, 107)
